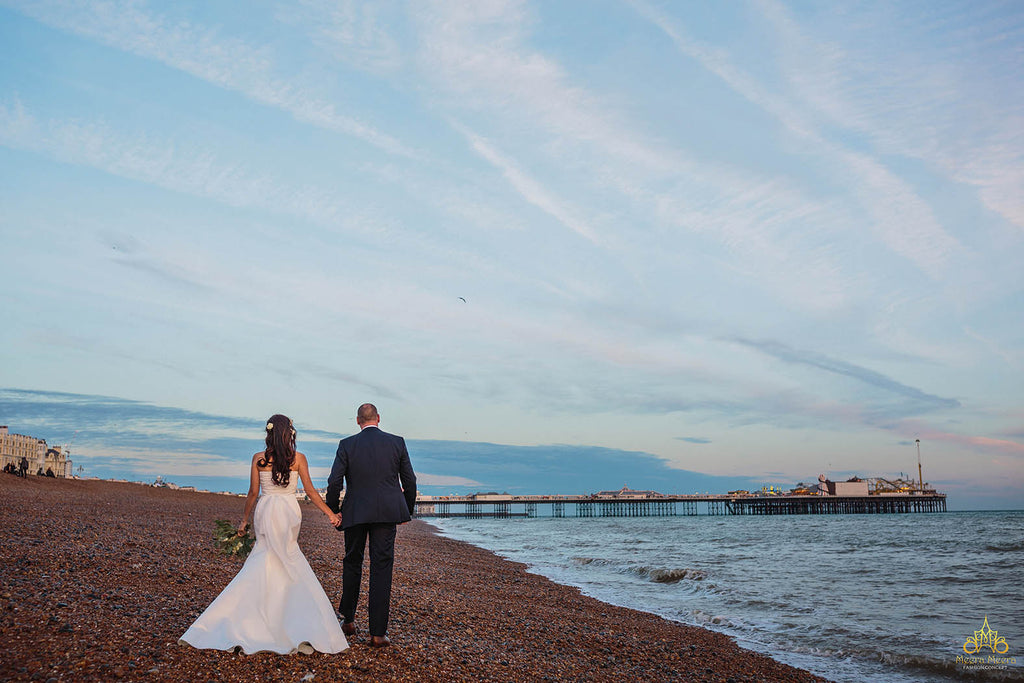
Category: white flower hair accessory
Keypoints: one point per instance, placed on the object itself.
(270, 425)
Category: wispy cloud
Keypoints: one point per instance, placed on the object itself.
(151, 462)
(320, 372)
(1013, 360)
(972, 443)
(227, 62)
(174, 167)
(480, 56)
(530, 189)
(183, 468)
(161, 270)
(693, 439)
(477, 51)
(943, 101)
(356, 32)
(424, 479)
(920, 399)
(899, 217)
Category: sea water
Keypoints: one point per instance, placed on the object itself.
(880, 598)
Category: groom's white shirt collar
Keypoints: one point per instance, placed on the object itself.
(362, 427)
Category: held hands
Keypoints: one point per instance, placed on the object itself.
(335, 519)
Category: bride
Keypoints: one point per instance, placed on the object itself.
(275, 602)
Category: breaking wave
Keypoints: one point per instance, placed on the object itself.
(653, 574)
(595, 561)
(658, 575)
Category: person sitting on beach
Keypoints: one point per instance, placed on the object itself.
(49, 472)
(275, 602)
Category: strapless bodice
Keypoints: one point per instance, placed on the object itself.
(269, 488)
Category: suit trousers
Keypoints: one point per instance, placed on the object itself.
(382, 561)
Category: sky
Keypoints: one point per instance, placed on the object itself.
(562, 246)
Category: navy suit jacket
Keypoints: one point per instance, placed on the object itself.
(374, 469)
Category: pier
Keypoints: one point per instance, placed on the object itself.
(649, 504)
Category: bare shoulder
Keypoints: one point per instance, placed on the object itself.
(259, 456)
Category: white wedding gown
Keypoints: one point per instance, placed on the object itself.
(275, 602)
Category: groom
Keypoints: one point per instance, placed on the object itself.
(381, 493)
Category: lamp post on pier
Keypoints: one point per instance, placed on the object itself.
(920, 479)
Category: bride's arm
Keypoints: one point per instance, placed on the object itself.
(254, 492)
(311, 491)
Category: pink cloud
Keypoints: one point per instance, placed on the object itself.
(910, 428)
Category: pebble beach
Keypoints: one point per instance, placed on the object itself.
(100, 579)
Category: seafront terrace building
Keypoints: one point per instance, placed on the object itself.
(57, 461)
(14, 447)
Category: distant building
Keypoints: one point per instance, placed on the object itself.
(490, 495)
(851, 487)
(14, 447)
(57, 461)
(626, 492)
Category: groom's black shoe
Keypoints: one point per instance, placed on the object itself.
(348, 628)
(380, 641)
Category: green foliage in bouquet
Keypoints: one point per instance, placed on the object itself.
(229, 541)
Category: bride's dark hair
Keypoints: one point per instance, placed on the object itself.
(280, 451)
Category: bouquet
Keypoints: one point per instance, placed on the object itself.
(228, 540)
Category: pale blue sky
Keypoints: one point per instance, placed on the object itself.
(753, 239)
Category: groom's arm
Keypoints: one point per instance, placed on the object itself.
(335, 481)
(407, 477)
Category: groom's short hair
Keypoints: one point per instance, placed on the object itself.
(366, 413)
